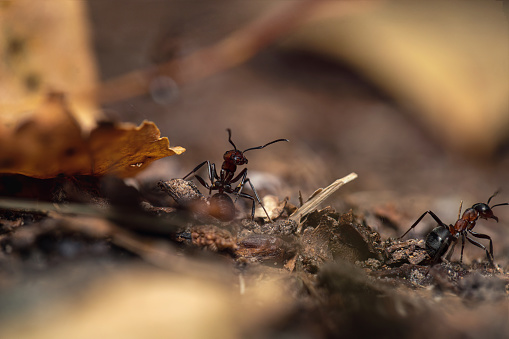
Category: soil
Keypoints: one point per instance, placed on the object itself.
(336, 275)
(148, 257)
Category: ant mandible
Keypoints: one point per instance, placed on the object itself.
(223, 182)
(440, 238)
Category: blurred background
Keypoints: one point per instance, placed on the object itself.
(413, 96)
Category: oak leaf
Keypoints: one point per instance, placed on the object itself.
(51, 142)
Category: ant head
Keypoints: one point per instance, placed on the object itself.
(484, 211)
(235, 156)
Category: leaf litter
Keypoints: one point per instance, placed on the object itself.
(328, 270)
(314, 272)
(50, 142)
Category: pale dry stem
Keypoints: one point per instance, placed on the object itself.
(319, 198)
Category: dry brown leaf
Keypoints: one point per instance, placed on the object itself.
(125, 149)
(446, 60)
(45, 47)
(51, 142)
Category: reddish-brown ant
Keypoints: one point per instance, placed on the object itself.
(223, 182)
(442, 237)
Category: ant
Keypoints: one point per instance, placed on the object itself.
(440, 238)
(223, 182)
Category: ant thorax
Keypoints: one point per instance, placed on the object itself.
(470, 215)
(459, 227)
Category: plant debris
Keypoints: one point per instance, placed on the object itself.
(336, 270)
(320, 196)
(51, 143)
(156, 257)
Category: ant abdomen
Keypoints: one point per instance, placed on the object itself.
(221, 207)
(438, 241)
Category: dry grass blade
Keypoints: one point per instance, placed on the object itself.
(314, 202)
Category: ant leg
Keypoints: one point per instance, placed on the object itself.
(483, 236)
(257, 198)
(214, 173)
(201, 181)
(211, 169)
(243, 175)
(451, 251)
(463, 235)
(488, 254)
(247, 196)
(433, 215)
(240, 186)
(195, 169)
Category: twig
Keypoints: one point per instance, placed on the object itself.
(133, 220)
(233, 50)
(156, 251)
(314, 202)
(101, 223)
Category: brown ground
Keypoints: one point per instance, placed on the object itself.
(343, 283)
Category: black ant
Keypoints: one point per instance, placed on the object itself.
(223, 182)
(440, 238)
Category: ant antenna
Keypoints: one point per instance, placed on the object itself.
(494, 194)
(505, 203)
(260, 147)
(230, 138)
